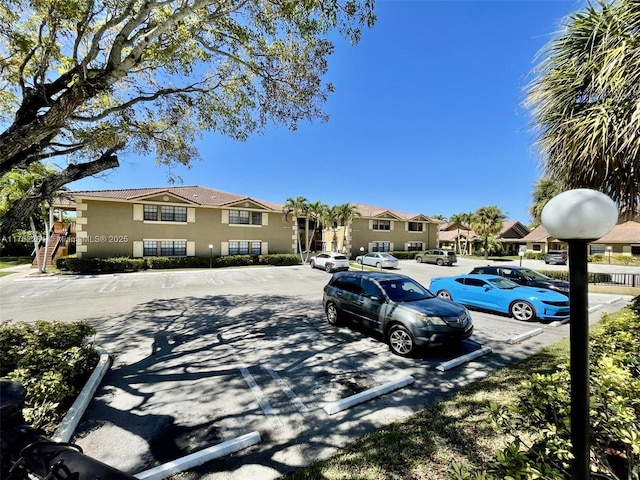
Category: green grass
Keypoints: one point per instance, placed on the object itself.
(424, 446)
(6, 262)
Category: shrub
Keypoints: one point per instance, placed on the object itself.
(540, 423)
(52, 360)
(279, 259)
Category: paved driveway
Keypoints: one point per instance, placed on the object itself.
(201, 357)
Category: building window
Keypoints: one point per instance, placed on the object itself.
(173, 248)
(596, 249)
(635, 250)
(381, 246)
(414, 246)
(151, 212)
(150, 248)
(245, 248)
(382, 224)
(244, 217)
(536, 247)
(415, 226)
(173, 214)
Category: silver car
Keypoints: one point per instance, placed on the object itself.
(330, 262)
(378, 260)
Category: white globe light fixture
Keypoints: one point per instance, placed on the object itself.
(580, 214)
(578, 217)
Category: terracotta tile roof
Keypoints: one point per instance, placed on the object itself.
(628, 232)
(192, 194)
(451, 235)
(538, 234)
(370, 211)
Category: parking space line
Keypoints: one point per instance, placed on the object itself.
(255, 389)
(168, 282)
(109, 287)
(284, 386)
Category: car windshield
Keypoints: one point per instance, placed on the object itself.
(405, 290)
(533, 275)
(502, 283)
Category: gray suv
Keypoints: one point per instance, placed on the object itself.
(405, 312)
(437, 256)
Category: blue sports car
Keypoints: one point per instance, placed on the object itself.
(498, 294)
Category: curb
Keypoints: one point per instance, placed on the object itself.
(444, 366)
(198, 458)
(70, 421)
(366, 395)
(524, 336)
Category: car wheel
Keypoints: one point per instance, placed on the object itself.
(313, 264)
(327, 268)
(378, 265)
(444, 294)
(419, 259)
(521, 310)
(400, 341)
(358, 261)
(333, 314)
(439, 262)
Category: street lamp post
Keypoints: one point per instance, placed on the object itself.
(210, 255)
(579, 217)
(609, 248)
(361, 258)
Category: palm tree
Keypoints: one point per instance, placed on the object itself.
(487, 223)
(347, 213)
(315, 213)
(467, 219)
(458, 218)
(296, 208)
(544, 190)
(585, 103)
(329, 220)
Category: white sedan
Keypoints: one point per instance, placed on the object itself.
(378, 260)
(330, 262)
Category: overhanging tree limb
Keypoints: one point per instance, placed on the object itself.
(48, 186)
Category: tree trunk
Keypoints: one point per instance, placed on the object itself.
(48, 186)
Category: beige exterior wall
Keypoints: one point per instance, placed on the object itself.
(117, 228)
(399, 236)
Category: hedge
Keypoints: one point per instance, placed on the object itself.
(127, 264)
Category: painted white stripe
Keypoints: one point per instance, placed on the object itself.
(215, 281)
(168, 469)
(463, 359)
(367, 395)
(255, 389)
(284, 386)
(167, 282)
(524, 336)
(109, 287)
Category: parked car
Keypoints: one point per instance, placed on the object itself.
(556, 257)
(439, 257)
(406, 313)
(330, 261)
(499, 294)
(525, 276)
(378, 260)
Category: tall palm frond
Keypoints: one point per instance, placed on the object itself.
(585, 102)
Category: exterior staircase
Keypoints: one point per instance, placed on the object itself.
(58, 242)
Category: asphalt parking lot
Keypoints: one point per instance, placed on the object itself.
(201, 357)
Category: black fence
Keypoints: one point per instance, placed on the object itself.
(622, 279)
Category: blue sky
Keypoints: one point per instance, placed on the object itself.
(427, 118)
